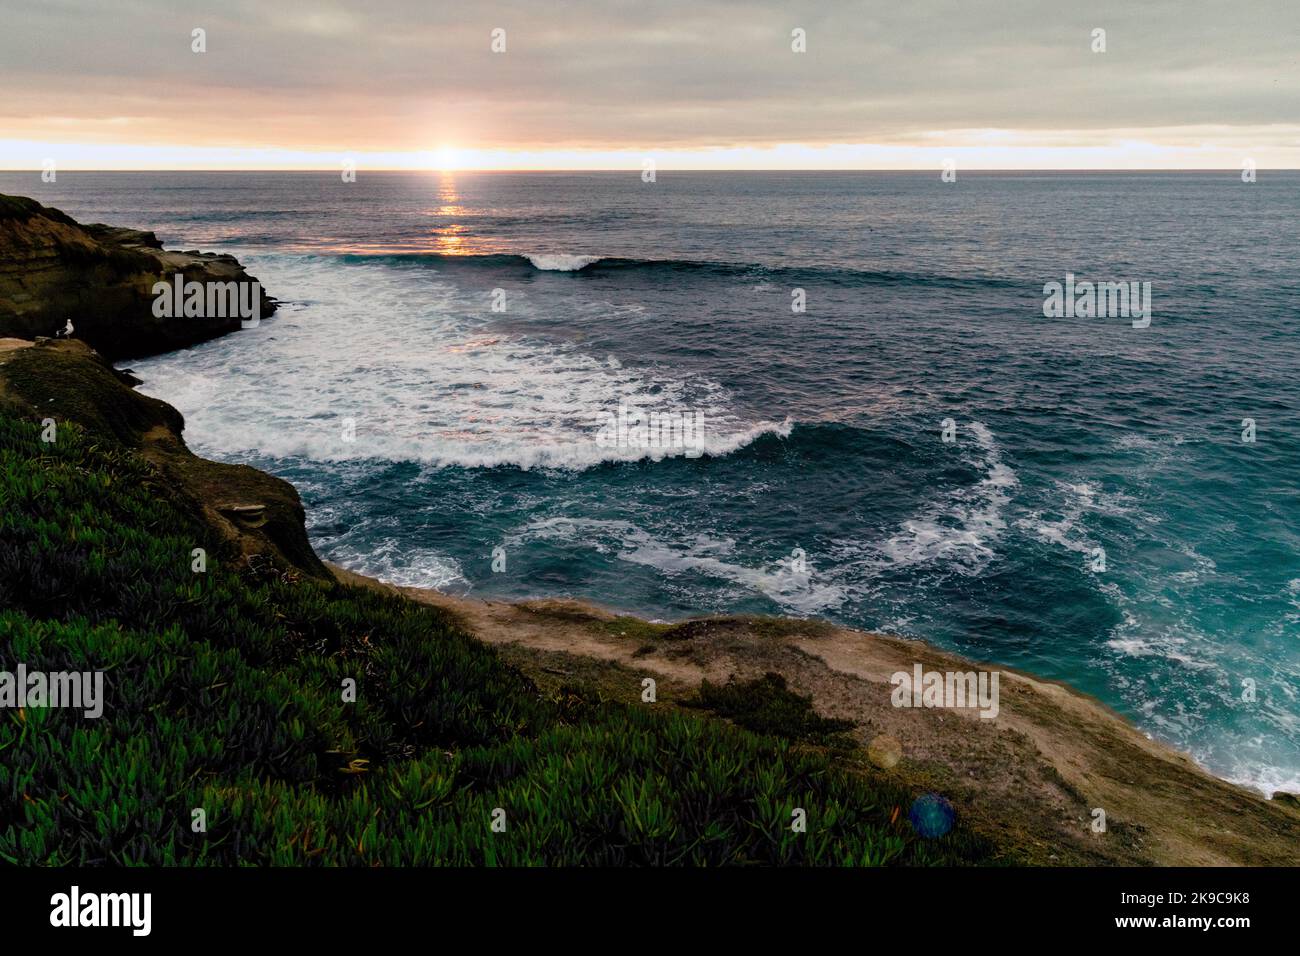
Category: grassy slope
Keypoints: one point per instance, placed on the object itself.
(224, 692)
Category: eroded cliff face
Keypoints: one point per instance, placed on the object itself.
(55, 271)
(258, 515)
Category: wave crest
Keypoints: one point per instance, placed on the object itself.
(560, 262)
(587, 264)
(323, 443)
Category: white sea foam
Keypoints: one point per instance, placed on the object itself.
(958, 532)
(560, 262)
(1073, 503)
(400, 365)
(1193, 677)
(394, 562)
(801, 592)
(1267, 780)
(962, 527)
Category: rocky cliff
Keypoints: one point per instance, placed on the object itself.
(259, 515)
(55, 271)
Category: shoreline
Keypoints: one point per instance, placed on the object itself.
(1032, 778)
(597, 610)
(1039, 770)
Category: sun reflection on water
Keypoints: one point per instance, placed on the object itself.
(452, 237)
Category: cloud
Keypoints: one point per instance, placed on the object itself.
(402, 75)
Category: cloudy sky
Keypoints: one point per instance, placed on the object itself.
(689, 83)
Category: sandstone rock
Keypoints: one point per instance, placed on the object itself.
(54, 270)
(1289, 800)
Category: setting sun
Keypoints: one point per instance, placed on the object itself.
(446, 159)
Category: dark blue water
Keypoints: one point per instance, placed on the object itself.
(425, 430)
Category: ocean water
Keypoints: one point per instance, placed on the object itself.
(425, 430)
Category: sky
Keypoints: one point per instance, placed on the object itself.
(614, 84)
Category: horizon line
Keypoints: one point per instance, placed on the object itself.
(637, 171)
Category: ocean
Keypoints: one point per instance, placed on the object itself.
(918, 450)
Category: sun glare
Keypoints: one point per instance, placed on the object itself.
(446, 159)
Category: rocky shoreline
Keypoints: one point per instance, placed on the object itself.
(55, 271)
(1032, 777)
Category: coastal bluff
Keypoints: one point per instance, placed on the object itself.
(259, 516)
(55, 271)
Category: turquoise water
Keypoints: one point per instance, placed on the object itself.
(473, 430)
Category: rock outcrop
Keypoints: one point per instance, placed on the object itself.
(258, 515)
(55, 271)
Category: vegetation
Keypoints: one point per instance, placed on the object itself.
(224, 691)
(20, 208)
(765, 705)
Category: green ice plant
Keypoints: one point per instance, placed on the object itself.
(223, 693)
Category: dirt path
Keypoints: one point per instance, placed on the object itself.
(1031, 777)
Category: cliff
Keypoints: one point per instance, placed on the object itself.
(54, 270)
(258, 515)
